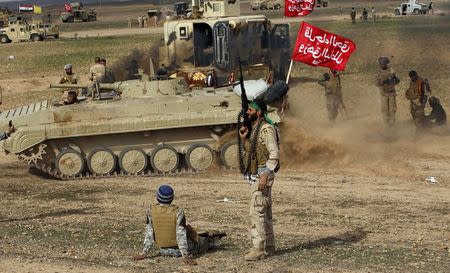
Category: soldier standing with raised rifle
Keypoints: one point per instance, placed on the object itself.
(259, 160)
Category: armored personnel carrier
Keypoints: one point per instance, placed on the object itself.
(217, 35)
(134, 127)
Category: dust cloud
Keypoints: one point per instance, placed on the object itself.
(357, 141)
(126, 68)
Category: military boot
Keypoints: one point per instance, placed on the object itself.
(255, 255)
(270, 250)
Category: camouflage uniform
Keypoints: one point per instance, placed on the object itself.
(69, 78)
(97, 72)
(386, 81)
(169, 230)
(264, 160)
(333, 94)
(417, 94)
(109, 75)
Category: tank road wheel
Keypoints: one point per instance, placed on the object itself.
(4, 39)
(133, 161)
(199, 157)
(229, 154)
(101, 161)
(69, 163)
(164, 159)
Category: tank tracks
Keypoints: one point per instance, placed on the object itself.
(51, 172)
(42, 160)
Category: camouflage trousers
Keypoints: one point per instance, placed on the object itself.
(261, 217)
(418, 115)
(388, 107)
(332, 106)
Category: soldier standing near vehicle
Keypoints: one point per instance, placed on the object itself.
(333, 94)
(353, 15)
(418, 93)
(167, 229)
(262, 161)
(69, 76)
(97, 71)
(109, 73)
(386, 81)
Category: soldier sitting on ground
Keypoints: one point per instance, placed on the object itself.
(168, 230)
(69, 77)
(437, 117)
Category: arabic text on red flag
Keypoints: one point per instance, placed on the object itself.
(318, 47)
(294, 8)
(67, 7)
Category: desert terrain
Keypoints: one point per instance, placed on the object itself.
(350, 196)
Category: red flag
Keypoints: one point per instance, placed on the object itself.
(293, 8)
(318, 47)
(67, 7)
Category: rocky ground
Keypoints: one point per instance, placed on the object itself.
(350, 197)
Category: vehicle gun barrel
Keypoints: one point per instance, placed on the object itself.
(104, 86)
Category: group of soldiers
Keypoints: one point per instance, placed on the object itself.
(365, 14)
(99, 72)
(418, 94)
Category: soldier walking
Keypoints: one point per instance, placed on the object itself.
(333, 94)
(386, 81)
(418, 93)
(262, 161)
(353, 15)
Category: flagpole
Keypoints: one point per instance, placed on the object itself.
(289, 71)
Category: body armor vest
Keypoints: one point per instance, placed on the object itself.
(386, 75)
(164, 220)
(260, 155)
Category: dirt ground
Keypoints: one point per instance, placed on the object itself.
(350, 196)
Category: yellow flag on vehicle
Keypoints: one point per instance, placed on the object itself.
(37, 9)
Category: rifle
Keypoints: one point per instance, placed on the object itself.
(243, 120)
(244, 101)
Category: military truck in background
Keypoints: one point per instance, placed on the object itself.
(18, 30)
(411, 7)
(266, 4)
(49, 30)
(75, 11)
(219, 37)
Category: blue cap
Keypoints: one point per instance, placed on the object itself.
(164, 195)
